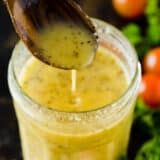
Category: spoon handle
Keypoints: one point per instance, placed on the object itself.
(42, 13)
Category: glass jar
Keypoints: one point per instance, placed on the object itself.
(101, 134)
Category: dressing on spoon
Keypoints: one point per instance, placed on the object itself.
(57, 32)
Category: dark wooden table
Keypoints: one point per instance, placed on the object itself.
(9, 137)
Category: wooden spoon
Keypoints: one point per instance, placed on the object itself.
(57, 32)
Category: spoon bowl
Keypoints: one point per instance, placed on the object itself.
(57, 32)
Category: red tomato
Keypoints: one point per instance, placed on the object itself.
(130, 8)
(150, 89)
(152, 61)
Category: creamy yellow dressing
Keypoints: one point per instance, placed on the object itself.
(74, 46)
(87, 89)
(90, 88)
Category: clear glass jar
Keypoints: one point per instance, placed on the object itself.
(47, 134)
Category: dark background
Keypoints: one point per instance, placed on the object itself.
(9, 141)
(9, 138)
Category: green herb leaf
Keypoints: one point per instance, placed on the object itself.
(153, 17)
(146, 119)
(143, 119)
(153, 31)
(152, 8)
(150, 150)
(133, 33)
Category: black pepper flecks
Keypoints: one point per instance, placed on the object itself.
(70, 26)
(49, 56)
(75, 54)
(96, 37)
(82, 43)
(49, 102)
(65, 38)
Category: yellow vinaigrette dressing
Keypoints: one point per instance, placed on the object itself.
(74, 91)
(66, 46)
(83, 90)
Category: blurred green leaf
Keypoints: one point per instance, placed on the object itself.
(146, 119)
(152, 8)
(133, 33)
(156, 123)
(150, 150)
(143, 119)
(153, 31)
